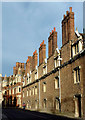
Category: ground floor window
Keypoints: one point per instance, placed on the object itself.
(57, 104)
(77, 101)
(36, 104)
(45, 103)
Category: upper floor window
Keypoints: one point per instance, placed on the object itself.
(23, 94)
(76, 47)
(29, 78)
(36, 72)
(45, 67)
(56, 83)
(13, 90)
(56, 62)
(35, 90)
(44, 86)
(27, 92)
(76, 74)
(36, 75)
(19, 89)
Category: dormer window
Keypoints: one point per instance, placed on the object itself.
(36, 73)
(76, 47)
(45, 67)
(29, 79)
(56, 62)
(56, 56)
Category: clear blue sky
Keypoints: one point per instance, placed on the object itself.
(26, 25)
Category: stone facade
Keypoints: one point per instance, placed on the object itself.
(57, 85)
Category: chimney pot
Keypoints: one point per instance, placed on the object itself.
(66, 12)
(64, 16)
(54, 29)
(70, 9)
(50, 33)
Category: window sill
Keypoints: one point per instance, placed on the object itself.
(77, 83)
(56, 88)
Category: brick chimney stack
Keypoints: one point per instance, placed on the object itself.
(28, 65)
(17, 64)
(52, 42)
(68, 26)
(42, 52)
(22, 65)
(14, 71)
(34, 60)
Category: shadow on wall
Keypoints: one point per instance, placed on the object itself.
(0, 110)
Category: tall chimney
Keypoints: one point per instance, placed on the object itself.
(42, 52)
(52, 42)
(34, 60)
(68, 26)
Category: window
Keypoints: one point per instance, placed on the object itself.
(27, 93)
(36, 104)
(76, 75)
(76, 47)
(44, 70)
(23, 94)
(44, 86)
(44, 103)
(35, 90)
(36, 75)
(57, 83)
(57, 104)
(9, 91)
(56, 62)
(27, 80)
(13, 90)
(19, 89)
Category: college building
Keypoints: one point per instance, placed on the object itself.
(57, 84)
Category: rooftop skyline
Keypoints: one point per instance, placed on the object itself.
(26, 25)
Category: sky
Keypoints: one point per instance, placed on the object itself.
(26, 24)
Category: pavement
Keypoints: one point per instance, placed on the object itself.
(20, 114)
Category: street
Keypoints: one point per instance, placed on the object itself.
(13, 114)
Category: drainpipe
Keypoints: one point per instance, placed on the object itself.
(59, 83)
(39, 94)
(39, 89)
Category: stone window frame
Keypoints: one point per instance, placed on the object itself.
(76, 74)
(44, 103)
(33, 90)
(45, 66)
(23, 94)
(27, 93)
(19, 89)
(30, 92)
(36, 104)
(36, 91)
(56, 82)
(76, 47)
(57, 104)
(44, 87)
